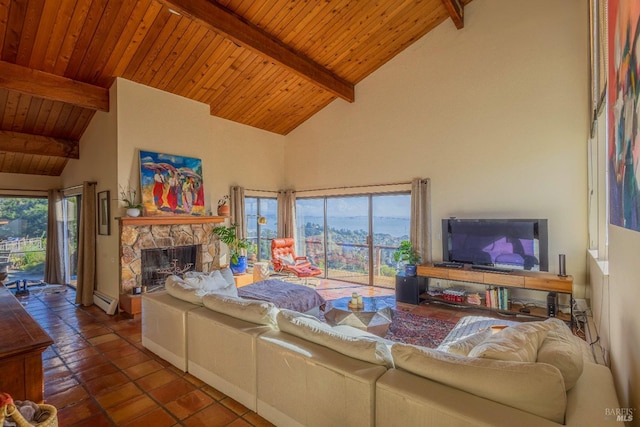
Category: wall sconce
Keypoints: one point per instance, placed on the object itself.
(262, 220)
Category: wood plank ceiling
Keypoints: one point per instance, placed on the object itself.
(268, 64)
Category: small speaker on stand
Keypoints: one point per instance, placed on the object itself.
(562, 265)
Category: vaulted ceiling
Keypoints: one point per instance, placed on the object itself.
(269, 64)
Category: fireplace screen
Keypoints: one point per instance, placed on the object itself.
(159, 263)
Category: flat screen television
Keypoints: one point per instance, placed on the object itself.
(502, 243)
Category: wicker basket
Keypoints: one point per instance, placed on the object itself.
(11, 412)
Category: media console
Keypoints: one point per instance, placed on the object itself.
(512, 279)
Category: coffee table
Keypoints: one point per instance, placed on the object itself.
(375, 317)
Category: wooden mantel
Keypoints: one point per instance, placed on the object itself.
(171, 220)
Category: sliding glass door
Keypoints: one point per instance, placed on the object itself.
(353, 237)
(71, 220)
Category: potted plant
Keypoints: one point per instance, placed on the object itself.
(223, 207)
(407, 254)
(128, 196)
(237, 247)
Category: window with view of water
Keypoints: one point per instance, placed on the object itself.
(353, 237)
(23, 232)
(261, 214)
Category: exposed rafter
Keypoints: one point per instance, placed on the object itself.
(16, 142)
(456, 11)
(52, 87)
(218, 19)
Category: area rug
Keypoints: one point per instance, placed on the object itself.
(413, 329)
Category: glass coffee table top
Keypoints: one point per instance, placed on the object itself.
(375, 317)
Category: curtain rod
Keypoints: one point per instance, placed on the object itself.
(357, 186)
(73, 187)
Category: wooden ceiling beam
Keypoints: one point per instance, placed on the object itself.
(456, 11)
(215, 17)
(16, 142)
(52, 87)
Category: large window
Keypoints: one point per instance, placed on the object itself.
(23, 232)
(353, 237)
(71, 220)
(262, 226)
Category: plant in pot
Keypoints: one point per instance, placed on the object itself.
(408, 255)
(223, 207)
(128, 196)
(237, 247)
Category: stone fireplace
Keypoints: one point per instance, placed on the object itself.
(137, 234)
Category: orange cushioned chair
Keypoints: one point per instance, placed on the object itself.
(284, 259)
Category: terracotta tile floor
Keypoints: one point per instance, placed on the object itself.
(98, 374)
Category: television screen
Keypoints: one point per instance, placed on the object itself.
(503, 243)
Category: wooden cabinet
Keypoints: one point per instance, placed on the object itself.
(243, 279)
(514, 279)
(131, 305)
(22, 342)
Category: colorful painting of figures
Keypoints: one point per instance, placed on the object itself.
(624, 118)
(171, 185)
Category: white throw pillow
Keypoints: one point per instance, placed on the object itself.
(518, 343)
(254, 311)
(178, 288)
(368, 349)
(536, 388)
(563, 350)
(228, 276)
(463, 346)
(212, 282)
(287, 259)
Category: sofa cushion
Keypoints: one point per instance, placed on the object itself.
(367, 348)
(178, 288)
(518, 343)
(537, 388)
(463, 346)
(563, 350)
(254, 311)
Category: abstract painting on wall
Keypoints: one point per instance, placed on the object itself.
(171, 185)
(624, 113)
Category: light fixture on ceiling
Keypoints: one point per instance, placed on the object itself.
(175, 12)
(262, 220)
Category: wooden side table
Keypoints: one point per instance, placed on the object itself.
(131, 305)
(243, 280)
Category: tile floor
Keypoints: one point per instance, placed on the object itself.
(98, 374)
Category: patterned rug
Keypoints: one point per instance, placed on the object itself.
(418, 330)
(411, 328)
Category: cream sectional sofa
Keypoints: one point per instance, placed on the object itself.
(294, 370)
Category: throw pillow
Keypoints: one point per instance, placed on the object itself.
(563, 350)
(228, 275)
(518, 343)
(287, 259)
(463, 346)
(254, 311)
(368, 349)
(178, 288)
(212, 282)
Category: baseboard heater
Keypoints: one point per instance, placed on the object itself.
(105, 302)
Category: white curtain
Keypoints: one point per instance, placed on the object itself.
(87, 246)
(287, 214)
(237, 211)
(420, 233)
(54, 263)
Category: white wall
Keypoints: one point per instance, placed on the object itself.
(624, 316)
(495, 114)
(98, 159)
(232, 154)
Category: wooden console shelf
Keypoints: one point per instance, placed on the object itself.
(530, 280)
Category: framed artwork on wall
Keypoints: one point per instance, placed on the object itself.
(104, 214)
(623, 108)
(171, 184)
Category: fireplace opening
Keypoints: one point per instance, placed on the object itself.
(158, 263)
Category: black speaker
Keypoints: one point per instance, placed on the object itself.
(552, 304)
